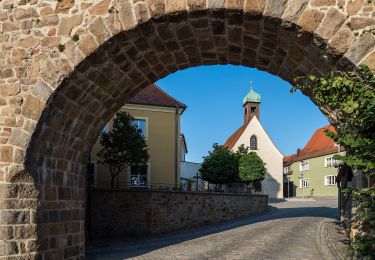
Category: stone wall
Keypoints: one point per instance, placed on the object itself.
(128, 213)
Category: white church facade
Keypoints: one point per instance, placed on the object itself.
(253, 135)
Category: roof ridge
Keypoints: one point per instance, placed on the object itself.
(159, 88)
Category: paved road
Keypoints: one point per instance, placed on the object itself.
(288, 231)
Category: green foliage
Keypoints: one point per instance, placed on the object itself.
(349, 99)
(122, 146)
(75, 38)
(61, 47)
(364, 240)
(220, 166)
(251, 166)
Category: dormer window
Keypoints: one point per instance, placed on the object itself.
(253, 143)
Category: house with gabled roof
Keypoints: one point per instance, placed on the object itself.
(158, 115)
(311, 171)
(253, 135)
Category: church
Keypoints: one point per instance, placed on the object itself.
(253, 135)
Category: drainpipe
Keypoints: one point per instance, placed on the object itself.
(176, 149)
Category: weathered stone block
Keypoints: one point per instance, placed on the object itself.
(294, 10)
(172, 6)
(342, 40)
(98, 30)
(100, 8)
(215, 4)
(354, 6)
(235, 4)
(67, 24)
(64, 6)
(9, 89)
(333, 20)
(32, 107)
(126, 16)
(21, 13)
(323, 2)
(6, 154)
(275, 8)
(255, 6)
(310, 19)
(362, 45)
(15, 216)
(87, 44)
(141, 12)
(361, 22)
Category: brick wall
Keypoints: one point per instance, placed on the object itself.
(128, 213)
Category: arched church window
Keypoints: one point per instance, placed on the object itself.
(253, 143)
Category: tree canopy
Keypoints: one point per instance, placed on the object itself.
(251, 166)
(220, 166)
(122, 146)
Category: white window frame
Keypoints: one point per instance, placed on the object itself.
(148, 176)
(328, 182)
(301, 169)
(286, 169)
(333, 162)
(146, 125)
(306, 182)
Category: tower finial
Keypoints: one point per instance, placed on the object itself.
(251, 85)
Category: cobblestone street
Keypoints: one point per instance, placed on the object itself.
(292, 229)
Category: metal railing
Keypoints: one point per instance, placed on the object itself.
(171, 187)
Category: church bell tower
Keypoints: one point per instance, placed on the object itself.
(251, 104)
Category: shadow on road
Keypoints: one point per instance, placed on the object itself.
(132, 247)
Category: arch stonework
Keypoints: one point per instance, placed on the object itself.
(67, 66)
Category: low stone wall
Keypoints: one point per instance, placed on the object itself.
(130, 213)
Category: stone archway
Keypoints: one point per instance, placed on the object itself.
(57, 90)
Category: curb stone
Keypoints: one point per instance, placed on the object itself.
(330, 242)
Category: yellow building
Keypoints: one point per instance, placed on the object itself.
(157, 114)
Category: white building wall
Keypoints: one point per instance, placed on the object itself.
(273, 182)
(189, 171)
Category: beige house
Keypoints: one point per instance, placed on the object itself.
(157, 114)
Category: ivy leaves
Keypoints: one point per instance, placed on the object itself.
(351, 96)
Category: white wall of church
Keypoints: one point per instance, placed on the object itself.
(273, 182)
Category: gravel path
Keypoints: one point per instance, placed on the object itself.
(290, 230)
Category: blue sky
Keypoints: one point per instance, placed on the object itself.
(214, 96)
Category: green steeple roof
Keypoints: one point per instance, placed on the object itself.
(252, 96)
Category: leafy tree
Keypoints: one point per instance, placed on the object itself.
(122, 146)
(349, 99)
(220, 166)
(251, 166)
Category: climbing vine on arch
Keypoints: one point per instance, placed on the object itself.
(350, 99)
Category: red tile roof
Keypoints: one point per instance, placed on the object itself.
(318, 145)
(288, 160)
(153, 95)
(232, 140)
